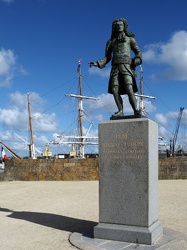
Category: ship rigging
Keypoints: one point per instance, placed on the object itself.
(141, 96)
(80, 140)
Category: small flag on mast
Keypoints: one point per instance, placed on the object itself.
(79, 66)
(4, 156)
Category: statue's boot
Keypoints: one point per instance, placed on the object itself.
(120, 113)
(137, 112)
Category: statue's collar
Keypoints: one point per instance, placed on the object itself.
(121, 37)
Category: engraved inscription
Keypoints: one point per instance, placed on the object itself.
(121, 147)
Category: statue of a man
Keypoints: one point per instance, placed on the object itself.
(122, 76)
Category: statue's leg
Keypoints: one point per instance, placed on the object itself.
(115, 91)
(132, 99)
(118, 100)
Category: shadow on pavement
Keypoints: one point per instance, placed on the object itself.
(55, 221)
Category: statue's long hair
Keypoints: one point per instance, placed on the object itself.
(114, 33)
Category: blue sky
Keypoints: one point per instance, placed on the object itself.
(41, 42)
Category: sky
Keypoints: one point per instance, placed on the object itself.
(41, 42)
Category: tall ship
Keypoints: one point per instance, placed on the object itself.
(80, 139)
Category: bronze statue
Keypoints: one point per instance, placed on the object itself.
(122, 76)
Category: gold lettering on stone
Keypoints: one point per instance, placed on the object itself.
(121, 147)
(121, 136)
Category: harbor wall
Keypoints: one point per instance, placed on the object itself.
(79, 169)
(172, 168)
(51, 169)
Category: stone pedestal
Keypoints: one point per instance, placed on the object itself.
(128, 185)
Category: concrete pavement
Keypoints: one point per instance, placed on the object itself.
(43, 215)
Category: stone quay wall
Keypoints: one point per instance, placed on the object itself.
(79, 169)
(172, 168)
(51, 169)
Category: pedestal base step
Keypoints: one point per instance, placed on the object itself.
(133, 234)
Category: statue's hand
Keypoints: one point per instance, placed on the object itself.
(137, 61)
(95, 64)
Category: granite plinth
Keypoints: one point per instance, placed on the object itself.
(133, 234)
(128, 182)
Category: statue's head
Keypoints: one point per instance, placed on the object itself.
(114, 30)
(119, 20)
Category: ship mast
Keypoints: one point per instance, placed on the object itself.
(141, 95)
(141, 107)
(31, 145)
(80, 110)
(81, 137)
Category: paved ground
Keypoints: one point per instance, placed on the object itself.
(42, 215)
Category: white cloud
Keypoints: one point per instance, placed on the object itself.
(16, 116)
(162, 119)
(18, 99)
(9, 67)
(172, 54)
(99, 117)
(13, 118)
(21, 100)
(162, 131)
(105, 102)
(22, 70)
(173, 115)
(5, 135)
(7, 61)
(55, 137)
(105, 72)
(45, 122)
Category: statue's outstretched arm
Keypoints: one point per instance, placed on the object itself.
(102, 62)
(95, 64)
